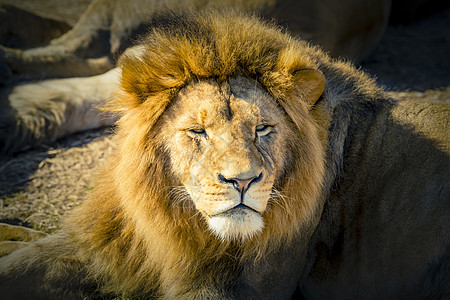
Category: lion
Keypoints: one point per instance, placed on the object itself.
(251, 165)
(38, 112)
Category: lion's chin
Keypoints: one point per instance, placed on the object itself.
(236, 224)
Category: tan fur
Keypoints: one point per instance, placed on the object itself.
(170, 61)
(132, 239)
(340, 209)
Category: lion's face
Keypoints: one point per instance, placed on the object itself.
(225, 143)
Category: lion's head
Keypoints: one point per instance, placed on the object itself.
(216, 128)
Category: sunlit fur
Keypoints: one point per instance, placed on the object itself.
(229, 145)
(130, 231)
(140, 234)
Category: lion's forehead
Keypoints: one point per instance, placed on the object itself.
(213, 105)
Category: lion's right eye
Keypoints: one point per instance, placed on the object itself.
(197, 132)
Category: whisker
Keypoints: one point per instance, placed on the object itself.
(180, 197)
(279, 199)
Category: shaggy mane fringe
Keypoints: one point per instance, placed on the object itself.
(181, 48)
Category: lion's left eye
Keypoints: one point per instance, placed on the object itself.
(263, 129)
(198, 131)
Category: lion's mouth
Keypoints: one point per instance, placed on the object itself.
(236, 210)
(243, 206)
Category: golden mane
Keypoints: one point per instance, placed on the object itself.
(155, 238)
(183, 48)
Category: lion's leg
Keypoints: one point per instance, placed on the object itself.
(44, 111)
(16, 237)
(47, 62)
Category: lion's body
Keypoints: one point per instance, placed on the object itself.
(357, 204)
(384, 232)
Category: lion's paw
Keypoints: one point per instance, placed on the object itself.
(16, 237)
(32, 114)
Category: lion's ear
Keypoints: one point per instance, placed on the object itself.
(309, 85)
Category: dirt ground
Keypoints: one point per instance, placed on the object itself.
(38, 187)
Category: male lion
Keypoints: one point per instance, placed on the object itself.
(252, 166)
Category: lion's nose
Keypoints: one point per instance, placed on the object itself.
(242, 185)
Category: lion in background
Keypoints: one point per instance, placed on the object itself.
(252, 166)
(34, 113)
